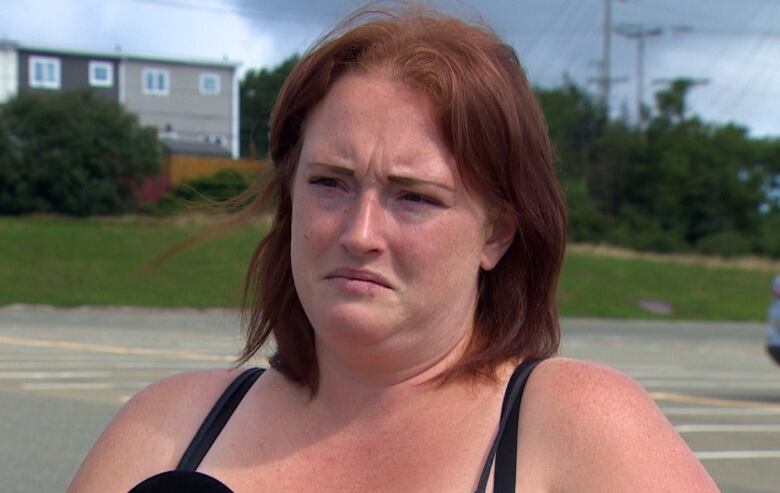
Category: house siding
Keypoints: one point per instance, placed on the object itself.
(9, 83)
(184, 110)
(182, 113)
(74, 73)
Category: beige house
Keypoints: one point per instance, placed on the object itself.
(193, 104)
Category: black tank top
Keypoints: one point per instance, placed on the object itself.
(185, 478)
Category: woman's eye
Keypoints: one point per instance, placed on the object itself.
(325, 181)
(421, 199)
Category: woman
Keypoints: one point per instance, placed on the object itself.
(411, 267)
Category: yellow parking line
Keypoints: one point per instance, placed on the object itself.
(106, 348)
(711, 401)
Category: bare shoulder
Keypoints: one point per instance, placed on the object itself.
(150, 432)
(599, 430)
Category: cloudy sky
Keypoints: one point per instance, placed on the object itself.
(733, 46)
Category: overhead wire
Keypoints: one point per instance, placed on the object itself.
(570, 43)
(652, 7)
(562, 10)
(703, 23)
(756, 73)
(585, 54)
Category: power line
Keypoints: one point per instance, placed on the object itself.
(569, 43)
(565, 7)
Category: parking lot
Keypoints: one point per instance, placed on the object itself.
(64, 373)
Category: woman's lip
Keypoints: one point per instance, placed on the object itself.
(359, 275)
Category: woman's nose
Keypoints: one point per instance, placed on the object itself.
(362, 230)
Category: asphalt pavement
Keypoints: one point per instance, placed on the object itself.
(65, 372)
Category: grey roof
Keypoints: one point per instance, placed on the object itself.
(194, 148)
(120, 55)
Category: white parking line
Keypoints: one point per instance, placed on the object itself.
(719, 411)
(711, 401)
(709, 384)
(84, 386)
(632, 367)
(703, 375)
(86, 364)
(738, 454)
(112, 349)
(54, 375)
(727, 428)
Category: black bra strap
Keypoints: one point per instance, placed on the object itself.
(217, 418)
(505, 443)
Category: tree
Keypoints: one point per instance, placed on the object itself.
(671, 101)
(258, 94)
(72, 153)
(678, 184)
(575, 121)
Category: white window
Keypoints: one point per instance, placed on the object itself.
(101, 74)
(209, 84)
(155, 81)
(44, 72)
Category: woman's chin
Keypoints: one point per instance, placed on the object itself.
(355, 327)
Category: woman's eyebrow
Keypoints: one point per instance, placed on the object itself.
(409, 181)
(333, 168)
(397, 179)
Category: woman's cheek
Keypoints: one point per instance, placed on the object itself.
(320, 231)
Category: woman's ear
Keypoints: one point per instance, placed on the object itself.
(500, 235)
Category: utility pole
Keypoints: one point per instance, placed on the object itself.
(605, 79)
(606, 54)
(639, 32)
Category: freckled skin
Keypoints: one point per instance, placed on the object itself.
(426, 235)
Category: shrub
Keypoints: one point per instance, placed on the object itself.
(207, 193)
(769, 238)
(222, 185)
(72, 153)
(725, 244)
(586, 222)
(640, 231)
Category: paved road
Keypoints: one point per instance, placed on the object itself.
(64, 373)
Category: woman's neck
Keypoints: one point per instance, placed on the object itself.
(375, 383)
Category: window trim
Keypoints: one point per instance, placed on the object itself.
(56, 83)
(217, 86)
(156, 91)
(93, 81)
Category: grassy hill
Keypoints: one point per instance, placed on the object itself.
(64, 261)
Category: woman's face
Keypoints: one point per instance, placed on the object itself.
(386, 242)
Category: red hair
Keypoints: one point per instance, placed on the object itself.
(494, 128)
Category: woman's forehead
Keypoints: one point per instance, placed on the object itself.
(365, 118)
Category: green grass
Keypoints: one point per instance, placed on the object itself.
(64, 261)
(601, 286)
